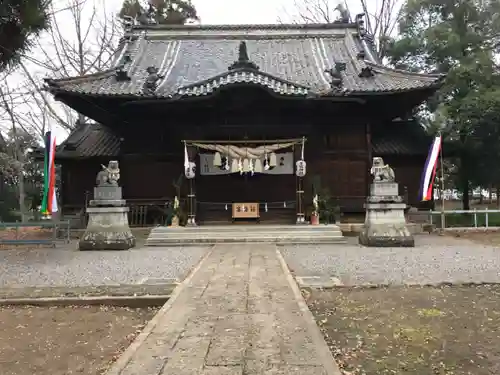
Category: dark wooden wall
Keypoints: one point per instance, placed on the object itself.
(408, 170)
(78, 181)
(338, 151)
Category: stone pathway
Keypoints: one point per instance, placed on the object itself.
(237, 314)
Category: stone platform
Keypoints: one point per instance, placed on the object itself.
(239, 313)
(257, 233)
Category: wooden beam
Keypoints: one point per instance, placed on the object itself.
(246, 141)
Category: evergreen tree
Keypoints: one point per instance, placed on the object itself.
(460, 39)
(20, 21)
(170, 12)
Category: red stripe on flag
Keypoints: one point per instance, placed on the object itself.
(52, 175)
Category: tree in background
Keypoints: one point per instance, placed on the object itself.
(20, 21)
(169, 12)
(381, 16)
(458, 38)
(82, 40)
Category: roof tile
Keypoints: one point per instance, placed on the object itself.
(200, 56)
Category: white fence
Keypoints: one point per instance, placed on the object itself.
(483, 218)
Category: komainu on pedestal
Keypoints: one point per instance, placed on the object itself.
(107, 228)
(385, 222)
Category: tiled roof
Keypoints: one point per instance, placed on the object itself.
(90, 140)
(291, 60)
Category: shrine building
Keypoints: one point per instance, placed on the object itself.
(246, 102)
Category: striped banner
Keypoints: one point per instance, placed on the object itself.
(49, 201)
(429, 173)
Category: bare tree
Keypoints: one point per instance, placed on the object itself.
(81, 41)
(381, 16)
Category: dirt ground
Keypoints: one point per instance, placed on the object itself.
(66, 340)
(453, 330)
(491, 238)
(87, 291)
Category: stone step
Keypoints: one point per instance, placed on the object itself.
(277, 240)
(248, 228)
(247, 234)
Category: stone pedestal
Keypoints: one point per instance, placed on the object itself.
(108, 227)
(385, 222)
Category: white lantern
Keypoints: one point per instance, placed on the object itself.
(300, 170)
(217, 160)
(190, 171)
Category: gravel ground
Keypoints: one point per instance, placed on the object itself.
(44, 267)
(435, 259)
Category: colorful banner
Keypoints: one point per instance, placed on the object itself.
(49, 200)
(429, 173)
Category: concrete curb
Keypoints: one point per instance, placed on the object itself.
(442, 284)
(122, 361)
(124, 301)
(326, 356)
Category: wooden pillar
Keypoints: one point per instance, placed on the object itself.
(301, 216)
(191, 218)
(369, 153)
(191, 197)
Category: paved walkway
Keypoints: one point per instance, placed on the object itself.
(237, 314)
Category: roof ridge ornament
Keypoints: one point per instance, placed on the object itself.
(366, 72)
(336, 75)
(151, 83)
(121, 72)
(243, 61)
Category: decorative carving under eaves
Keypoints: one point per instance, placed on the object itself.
(121, 71)
(336, 75)
(366, 72)
(151, 83)
(243, 61)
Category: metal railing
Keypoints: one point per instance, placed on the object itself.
(57, 231)
(476, 218)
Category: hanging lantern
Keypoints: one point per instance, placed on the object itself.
(190, 171)
(217, 160)
(234, 166)
(300, 170)
(257, 166)
(272, 160)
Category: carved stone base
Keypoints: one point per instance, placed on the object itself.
(107, 229)
(386, 235)
(385, 222)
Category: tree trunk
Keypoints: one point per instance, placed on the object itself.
(20, 175)
(464, 183)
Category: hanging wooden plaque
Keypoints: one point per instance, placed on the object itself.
(246, 211)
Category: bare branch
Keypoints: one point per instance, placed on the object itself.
(382, 16)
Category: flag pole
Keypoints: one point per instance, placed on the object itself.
(442, 182)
